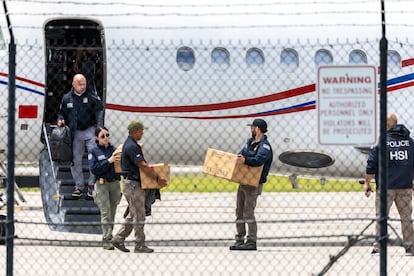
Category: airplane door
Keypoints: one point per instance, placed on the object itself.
(72, 46)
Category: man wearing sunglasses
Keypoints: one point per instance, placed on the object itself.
(82, 111)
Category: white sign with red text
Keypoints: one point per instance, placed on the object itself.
(347, 97)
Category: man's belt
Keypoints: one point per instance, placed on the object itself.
(103, 180)
(83, 128)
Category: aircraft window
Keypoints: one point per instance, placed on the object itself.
(393, 60)
(323, 57)
(185, 58)
(357, 57)
(289, 57)
(254, 56)
(220, 56)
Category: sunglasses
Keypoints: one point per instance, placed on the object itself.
(104, 135)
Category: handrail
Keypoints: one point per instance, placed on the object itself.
(48, 150)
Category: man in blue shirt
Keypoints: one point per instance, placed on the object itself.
(132, 162)
(256, 152)
(400, 150)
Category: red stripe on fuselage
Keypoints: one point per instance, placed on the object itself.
(400, 86)
(279, 112)
(25, 80)
(215, 106)
(407, 62)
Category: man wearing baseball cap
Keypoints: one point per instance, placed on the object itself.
(132, 161)
(255, 153)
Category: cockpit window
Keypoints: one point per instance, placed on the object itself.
(185, 58)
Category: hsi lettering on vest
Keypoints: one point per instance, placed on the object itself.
(399, 155)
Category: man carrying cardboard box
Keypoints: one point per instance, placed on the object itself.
(132, 162)
(256, 152)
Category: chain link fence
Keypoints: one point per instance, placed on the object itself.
(193, 95)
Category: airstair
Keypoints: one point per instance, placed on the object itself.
(63, 212)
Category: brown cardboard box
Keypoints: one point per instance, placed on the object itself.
(117, 164)
(118, 150)
(163, 170)
(223, 164)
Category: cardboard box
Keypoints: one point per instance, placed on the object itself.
(117, 164)
(223, 164)
(118, 150)
(163, 170)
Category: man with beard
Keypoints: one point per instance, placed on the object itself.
(255, 153)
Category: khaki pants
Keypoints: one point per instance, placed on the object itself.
(246, 203)
(403, 202)
(135, 197)
(107, 198)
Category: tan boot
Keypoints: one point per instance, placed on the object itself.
(107, 245)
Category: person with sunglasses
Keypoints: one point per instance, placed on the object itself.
(107, 192)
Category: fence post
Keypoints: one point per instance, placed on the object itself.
(383, 157)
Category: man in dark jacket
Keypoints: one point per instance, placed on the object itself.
(256, 152)
(400, 149)
(82, 111)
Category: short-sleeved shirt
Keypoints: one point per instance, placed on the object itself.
(131, 156)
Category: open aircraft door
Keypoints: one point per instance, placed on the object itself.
(71, 46)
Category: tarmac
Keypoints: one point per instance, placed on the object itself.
(299, 234)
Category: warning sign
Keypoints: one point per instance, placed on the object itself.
(347, 97)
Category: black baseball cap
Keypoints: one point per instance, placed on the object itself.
(260, 123)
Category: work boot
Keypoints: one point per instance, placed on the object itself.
(143, 249)
(107, 245)
(119, 245)
(249, 245)
(239, 242)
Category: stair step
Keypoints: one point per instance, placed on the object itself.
(82, 217)
(78, 203)
(82, 210)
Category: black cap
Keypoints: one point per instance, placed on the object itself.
(260, 123)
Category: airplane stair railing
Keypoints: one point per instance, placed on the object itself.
(62, 211)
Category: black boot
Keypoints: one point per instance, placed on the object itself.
(249, 245)
(239, 242)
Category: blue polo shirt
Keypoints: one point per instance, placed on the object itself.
(131, 156)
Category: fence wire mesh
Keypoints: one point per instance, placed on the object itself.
(312, 215)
